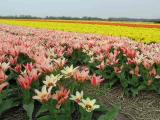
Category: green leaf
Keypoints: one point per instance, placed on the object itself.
(7, 104)
(29, 108)
(26, 96)
(68, 109)
(124, 83)
(134, 91)
(158, 70)
(62, 117)
(47, 117)
(111, 115)
(85, 115)
(43, 109)
(23, 59)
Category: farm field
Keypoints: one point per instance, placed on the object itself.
(80, 60)
(59, 69)
(128, 24)
(138, 32)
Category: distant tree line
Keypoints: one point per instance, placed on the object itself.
(134, 20)
(74, 18)
(51, 17)
(80, 18)
(20, 17)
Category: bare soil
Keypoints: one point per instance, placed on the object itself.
(146, 106)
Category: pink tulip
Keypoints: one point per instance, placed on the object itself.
(18, 68)
(147, 64)
(61, 96)
(29, 67)
(3, 86)
(131, 53)
(153, 72)
(118, 70)
(81, 76)
(3, 77)
(96, 80)
(101, 66)
(25, 82)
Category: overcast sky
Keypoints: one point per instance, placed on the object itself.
(80, 8)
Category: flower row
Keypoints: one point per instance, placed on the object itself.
(61, 63)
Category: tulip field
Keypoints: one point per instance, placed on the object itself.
(45, 66)
(141, 32)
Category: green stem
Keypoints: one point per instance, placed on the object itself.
(81, 86)
(72, 87)
(1, 98)
(85, 115)
(27, 97)
(68, 110)
(52, 110)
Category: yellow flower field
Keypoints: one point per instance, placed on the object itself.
(147, 35)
